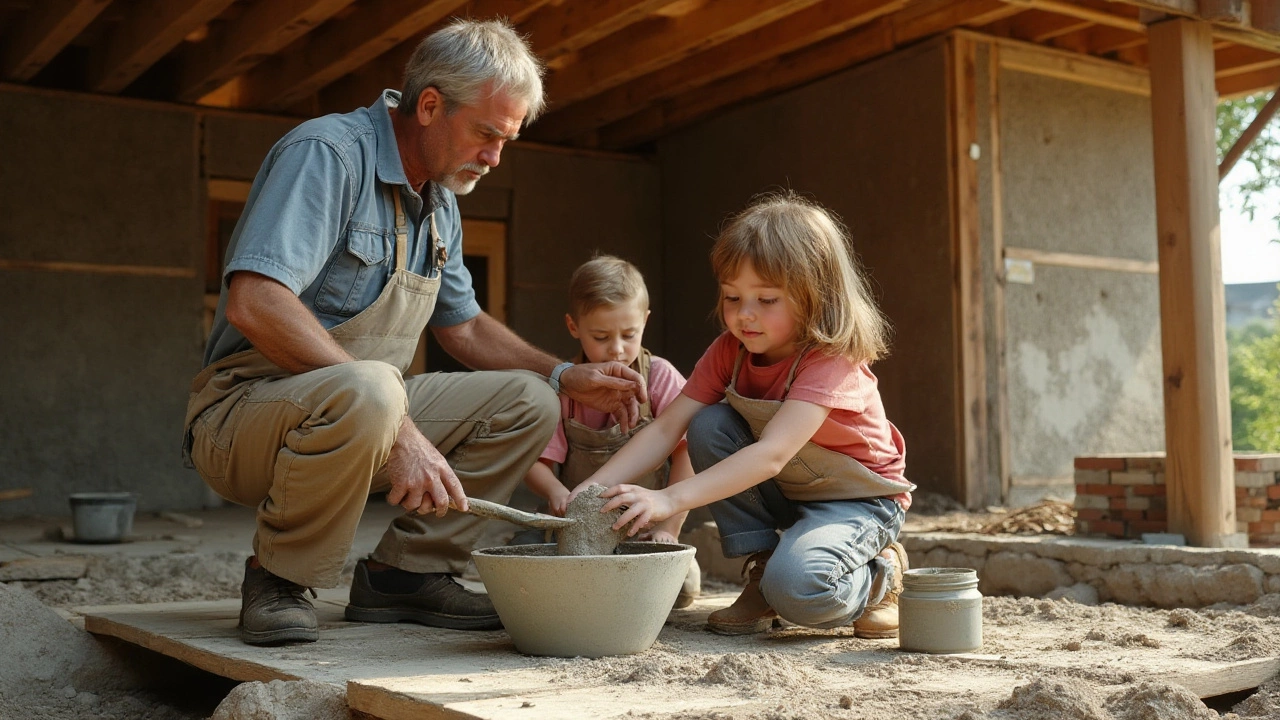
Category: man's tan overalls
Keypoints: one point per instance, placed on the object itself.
(308, 449)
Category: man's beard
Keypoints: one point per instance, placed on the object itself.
(461, 184)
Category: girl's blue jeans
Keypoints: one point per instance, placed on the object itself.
(825, 569)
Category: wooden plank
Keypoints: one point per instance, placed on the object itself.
(57, 567)
(1083, 12)
(789, 34)
(998, 309)
(1198, 467)
(1251, 83)
(1083, 262)
(1052, 62)
(1239, 60)
(570, 27)
(336, 49)
(1038, 27)
(647, 46)
(1235, 677)
(264, 29)
(16, 494)
(229, 190)
(98, 268)
(488, 239)
(967, 291)
(43, 32)
(1251, 133)
(150, 30)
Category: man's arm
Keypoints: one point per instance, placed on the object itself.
(280, 327)
(483, 343)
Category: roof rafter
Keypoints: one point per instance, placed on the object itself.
(573, 26)
(265, 29)
(657, 42)
(783, 36)
(43, 33)
(150, 30)
(338, 48)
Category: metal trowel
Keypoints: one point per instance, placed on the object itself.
(486, 509)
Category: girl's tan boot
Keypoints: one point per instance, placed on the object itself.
(749, 614)
(880, 621)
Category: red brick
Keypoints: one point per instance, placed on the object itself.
(1261, 528)
(1257, 463)
(1150, 464)
(1113, 528)
(1253, 502)
(1159, 503)
(1090, 514)
(1149, 490)
(1131, 515)
(1273, 492)
(1158, 515)
(1095, 489)
(1270, 516)
(1149, 526)
(1100, 463)
(1242, 492)
(1118, 503)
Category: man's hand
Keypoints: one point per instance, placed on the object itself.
(421, 480)
(608, 387)
(643, 507)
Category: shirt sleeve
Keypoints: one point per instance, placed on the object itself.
(713, 372)
(665, 383)
(833, 382)
(456, 302)
(558, 448)
(297, 216)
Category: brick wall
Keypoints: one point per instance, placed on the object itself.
(1123, 496)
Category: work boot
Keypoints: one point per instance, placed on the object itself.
(749, 614)
(274, 610)
(384, 594)
(880, 621)
(692, 586)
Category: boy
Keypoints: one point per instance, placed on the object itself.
(608, 309)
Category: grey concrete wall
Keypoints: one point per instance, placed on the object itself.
(1083, 345)
(869, 143)
(235, 146)
(95, 368)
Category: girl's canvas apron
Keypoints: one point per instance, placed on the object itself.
(815, 473)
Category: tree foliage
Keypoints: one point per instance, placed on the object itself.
(1263, 153)
(1254, 366)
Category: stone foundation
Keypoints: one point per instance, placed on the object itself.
(1123, 496)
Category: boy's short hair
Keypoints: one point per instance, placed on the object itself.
(605, 281)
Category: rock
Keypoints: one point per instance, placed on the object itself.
(1007, 573)
(1236, 584)
(1082, 593)
(284, 700)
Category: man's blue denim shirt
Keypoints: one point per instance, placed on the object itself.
(319, 220)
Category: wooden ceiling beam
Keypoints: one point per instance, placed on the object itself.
(147, 33)
(1039, 26)
(571, 26)
(1232, 87)
(650, 45)
(1238, 60)
(914, 22)
(1102, 40)
(263, 30)
(791, 33)
(337, 48)
(1083, 12)
(43, 32)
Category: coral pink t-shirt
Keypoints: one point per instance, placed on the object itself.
(856, 426)
(665, 382)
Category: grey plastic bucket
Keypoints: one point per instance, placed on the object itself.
(102, 517)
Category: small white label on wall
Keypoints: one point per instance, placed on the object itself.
(1019, 271)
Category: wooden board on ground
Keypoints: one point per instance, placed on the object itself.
(408, 671)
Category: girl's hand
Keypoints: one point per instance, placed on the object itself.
(559, 501)
(643, 507)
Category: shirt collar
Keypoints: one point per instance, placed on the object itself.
(389, 168)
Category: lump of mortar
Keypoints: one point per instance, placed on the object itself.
(593, 533)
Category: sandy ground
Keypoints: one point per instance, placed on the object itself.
(1090, 662)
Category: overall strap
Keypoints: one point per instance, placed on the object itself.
(402, 232)
(737, 365)
(791, 374)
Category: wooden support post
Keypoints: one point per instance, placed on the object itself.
(1198, 469)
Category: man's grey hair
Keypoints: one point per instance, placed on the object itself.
(459, 59)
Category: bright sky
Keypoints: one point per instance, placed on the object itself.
(1248, 255)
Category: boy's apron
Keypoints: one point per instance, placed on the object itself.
(588, 450)
(388, 330)
(815, 473)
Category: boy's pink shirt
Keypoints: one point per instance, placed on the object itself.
(857, 425)
(665, 382)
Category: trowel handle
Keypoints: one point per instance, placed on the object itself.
(484, 508)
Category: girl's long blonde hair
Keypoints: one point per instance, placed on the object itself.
(803, 248)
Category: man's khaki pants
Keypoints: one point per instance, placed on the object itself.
(308, 449)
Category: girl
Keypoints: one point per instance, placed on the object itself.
(802, 471)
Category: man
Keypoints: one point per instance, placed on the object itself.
(349, 243)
